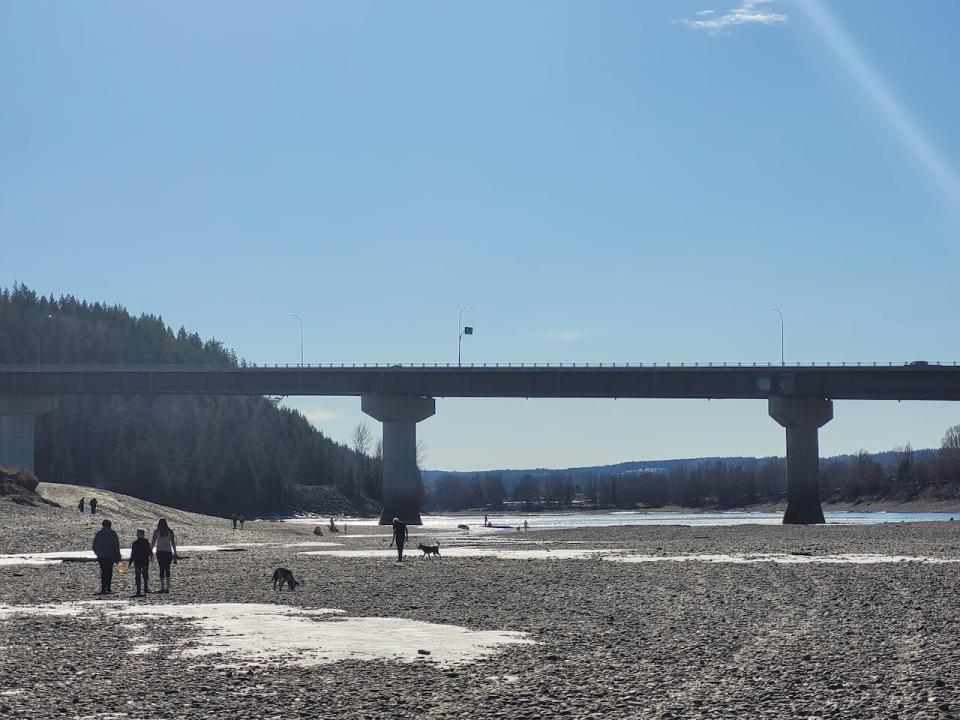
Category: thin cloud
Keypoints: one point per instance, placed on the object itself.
(561, 336)
(318, 415)
(749, 12)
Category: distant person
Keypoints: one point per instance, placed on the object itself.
(106, 546)
(526, 526)
(165, 546)
(317, 531)
(333, 526)
(140, 554)
(399, 537)
(486, 520)
(234, 518)
(80, 506)
(240, 520)
(93, 506)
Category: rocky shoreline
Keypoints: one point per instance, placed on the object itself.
(610, 639)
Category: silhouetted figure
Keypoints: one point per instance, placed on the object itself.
(240, 520)
(93, 506)
(165, 546)
(106, 546)
(234, 518)
(399, 537)
(80, 506)
(140, 554)
(526, 526)
(333, 526)
(318, 531)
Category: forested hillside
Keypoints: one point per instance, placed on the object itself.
(209, 454)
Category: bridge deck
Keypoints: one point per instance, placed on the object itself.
(845, 382)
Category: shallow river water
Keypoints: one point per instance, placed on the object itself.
(562, 521)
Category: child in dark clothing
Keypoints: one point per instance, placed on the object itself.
(140, 554)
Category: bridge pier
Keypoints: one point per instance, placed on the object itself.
(399, 415)
(17, 412)
(802, 417)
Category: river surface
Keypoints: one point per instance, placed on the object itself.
(562, 521)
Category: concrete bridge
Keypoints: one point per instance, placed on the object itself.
(800, 398)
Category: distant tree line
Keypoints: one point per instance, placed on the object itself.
(204, 453)
(910, 475)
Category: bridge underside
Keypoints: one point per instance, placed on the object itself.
(402, 491)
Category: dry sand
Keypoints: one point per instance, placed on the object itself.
(588, 637)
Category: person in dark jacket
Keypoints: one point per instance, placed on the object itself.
(80, 506)
(399, 537)
(93, 506)
(140, 554)
(106, 546)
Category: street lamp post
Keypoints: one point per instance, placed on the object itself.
(463, 330)
(781, 333)
(299, 320)
(40, 340)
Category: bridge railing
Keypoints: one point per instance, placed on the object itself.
(527, 366)
(495, 365)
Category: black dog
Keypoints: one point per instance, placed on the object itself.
(429, 549)
(282, 575)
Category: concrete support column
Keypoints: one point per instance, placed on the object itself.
(17, 412)
(399, 415)
(802, 417)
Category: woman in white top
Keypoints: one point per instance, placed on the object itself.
(165, 546)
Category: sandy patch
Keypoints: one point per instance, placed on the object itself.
(784, 559)
(53, 558)
(460, 552)
(255, 632)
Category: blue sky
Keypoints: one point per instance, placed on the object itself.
(613, 181)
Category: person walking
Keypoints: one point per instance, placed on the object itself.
(106, 546)
(240, 520)
(93, 506)
(234, 518)
(140, 555)
(399, 537)
(165, 546)
(80, 506)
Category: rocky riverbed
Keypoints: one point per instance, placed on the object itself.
(515, 634)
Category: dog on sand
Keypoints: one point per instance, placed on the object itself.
(281, 576)
(428, 550)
